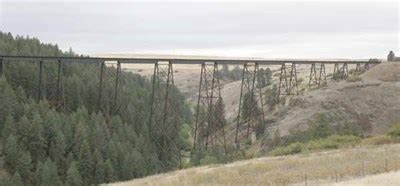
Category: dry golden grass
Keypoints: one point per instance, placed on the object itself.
(391, 178)
(319, 168)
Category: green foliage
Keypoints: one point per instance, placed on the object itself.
(232, 75)
(84, 145)
(48, 174)
(394, 131)
(265, 76)
(208, 159)
(24, 166)
(109, 174)
(85, 163)
(15, 180)
(73, 177)
(12, 154)
(331, 142)
(271, 96)
(293, 148)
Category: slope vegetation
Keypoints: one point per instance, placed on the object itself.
(316, 168)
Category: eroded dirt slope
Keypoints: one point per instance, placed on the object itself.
(372, 102)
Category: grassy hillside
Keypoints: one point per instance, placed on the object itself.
(321, 167)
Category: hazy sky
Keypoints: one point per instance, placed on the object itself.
(262, 29)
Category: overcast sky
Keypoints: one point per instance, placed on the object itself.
(276, 30)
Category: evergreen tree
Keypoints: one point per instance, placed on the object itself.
(48, 174)
(33, 132)
(9, 103)
(24, 167)
(73, 176)
(98, 167)
(109, 174)
(85, 163)
(12, 154)
(36, 144)
(15, 180)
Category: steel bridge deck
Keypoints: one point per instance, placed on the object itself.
(228, 61)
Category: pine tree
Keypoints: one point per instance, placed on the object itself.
(15, 180)
(128, 167)
(36, 141)
(8, 128)
(48, 175)
(12, 153)
(98, 167)
(85, 163)
(109, 174)
(73, 176)
(38, 174)
(9, 104)
(24, 166)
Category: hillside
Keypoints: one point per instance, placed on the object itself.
(367, 104)
(316, 168)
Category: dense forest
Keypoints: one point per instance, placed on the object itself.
(80, 144)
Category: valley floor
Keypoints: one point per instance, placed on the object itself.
(358, 165)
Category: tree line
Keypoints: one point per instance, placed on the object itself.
(83, 145)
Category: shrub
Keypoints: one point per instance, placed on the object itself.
(293, 148)
(378, 140)
(208, 159)
(331, 142)
(394, 132)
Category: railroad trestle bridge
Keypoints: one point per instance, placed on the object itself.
(207, 132)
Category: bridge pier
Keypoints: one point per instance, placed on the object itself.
(1, 67)
(164, 124)
(288, 84)
(207, 125)
(340, 72)
(60, 94)
(251, 111)
(41, 83)
(110, 80)
(317, 77)
(99, 98)
(117, 88)
(358, 69)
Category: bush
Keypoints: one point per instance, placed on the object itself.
(331, 142)
(378, 140)
(209, 159)
(293, 148)
(394, 132)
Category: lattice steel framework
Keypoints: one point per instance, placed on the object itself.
(41, 83)
(1, 67)
(57, 97)
(209, 130)
(360, 69)
(288, 81)
(317, 75)
(164, 120)
(340, 72)
(110, 80)
(251, 107)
